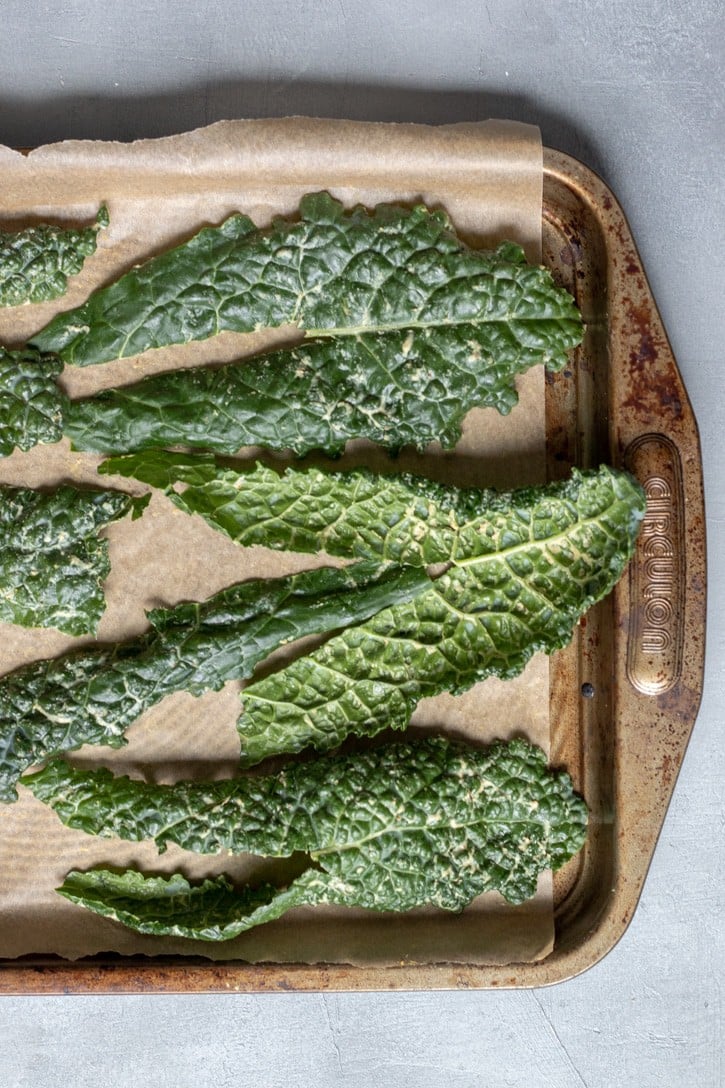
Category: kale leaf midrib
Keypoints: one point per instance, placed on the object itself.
(414, 325)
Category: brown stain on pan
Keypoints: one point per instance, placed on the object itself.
(654, 391)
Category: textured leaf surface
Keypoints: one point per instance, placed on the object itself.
(35, 263)
(522, 574)
(524, 566)
(426, 822)
(32, 406)
(52, 560)
(403, 518)
(172, 907)
(93, 696)
(331, 273)
(395, 389)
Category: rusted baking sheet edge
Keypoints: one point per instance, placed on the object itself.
(657, 662)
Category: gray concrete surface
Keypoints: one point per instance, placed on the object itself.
(635, 89)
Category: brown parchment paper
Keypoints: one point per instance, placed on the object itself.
(488, 177)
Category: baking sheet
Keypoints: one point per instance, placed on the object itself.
(488, 177)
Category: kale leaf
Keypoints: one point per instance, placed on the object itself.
(397, 389)
(393, 828)
(91, 697)
(53, 562)
(32, 406)
(521, 575)
(334, 274)
(35, 263)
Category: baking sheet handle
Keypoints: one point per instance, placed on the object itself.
(660, 620)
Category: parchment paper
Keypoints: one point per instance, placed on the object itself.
(488, 177)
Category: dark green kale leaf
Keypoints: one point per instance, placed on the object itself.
(402, 518)
(35, 263)
(32, 406)
(398, 827)
(400, 388)
(53, 562)
(93, 696)
(335, 274)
